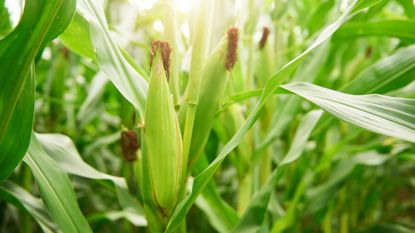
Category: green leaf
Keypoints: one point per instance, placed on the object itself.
(388, 228)
(62, 150)
(288, 107)
(254, 215)
(365, 4)
(110, 59)
(390, 73)
(320, 195)
(56, 190)
(271, 85)
(370, 158)
(301, 136)
(77, 37)
(343, 170)
(386, 115)
(117, 215)
(131, 207)
(5, 24)
(402, 29)
(95, 91)
(409, 7)
(42, 21)
(21, 198)
(320, 15)
(19, 130)
(221, 216)
(289, 218)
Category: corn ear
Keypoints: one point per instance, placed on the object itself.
(215, 75)
(163, 163)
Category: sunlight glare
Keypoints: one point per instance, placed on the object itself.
(183, 6)
(14, 7)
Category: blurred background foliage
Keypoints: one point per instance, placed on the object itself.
(347, 180)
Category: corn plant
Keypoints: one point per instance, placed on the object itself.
(207, 116)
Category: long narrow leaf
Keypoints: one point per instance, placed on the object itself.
(220, 215)
(56, 190)
(390, 73)
(19, 130)
(253, 217)
(78, 38)
(129, 82)
(389, 116)
(402, 29)
(62, 150)
(42, 21)
(18, 196)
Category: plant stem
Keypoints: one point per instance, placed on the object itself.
(26, 220)
(200, 46)
(244, 193)
(170, 25)
(249, 32)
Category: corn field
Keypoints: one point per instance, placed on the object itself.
(229, 116)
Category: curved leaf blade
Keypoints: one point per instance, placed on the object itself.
(42, 21)
(390, 73)
(78, 38)
(402, 29)
(21, 198)
(110, 58)
(254, 216)
(220, 214)
(63, 151)
(19, 130)
(385, 115)
(56, 190)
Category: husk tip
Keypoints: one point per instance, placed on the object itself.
(164, 49)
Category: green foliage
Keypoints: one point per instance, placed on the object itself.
(41, 22)
(56, 190)
(141, 116)
(5, 24)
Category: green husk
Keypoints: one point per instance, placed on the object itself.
(163, 162)
(215, 75)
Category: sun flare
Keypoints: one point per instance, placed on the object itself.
(183, 5)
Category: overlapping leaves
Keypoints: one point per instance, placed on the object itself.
(42, 21)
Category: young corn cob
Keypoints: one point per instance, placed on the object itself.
(163, 167)
(215, 74)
